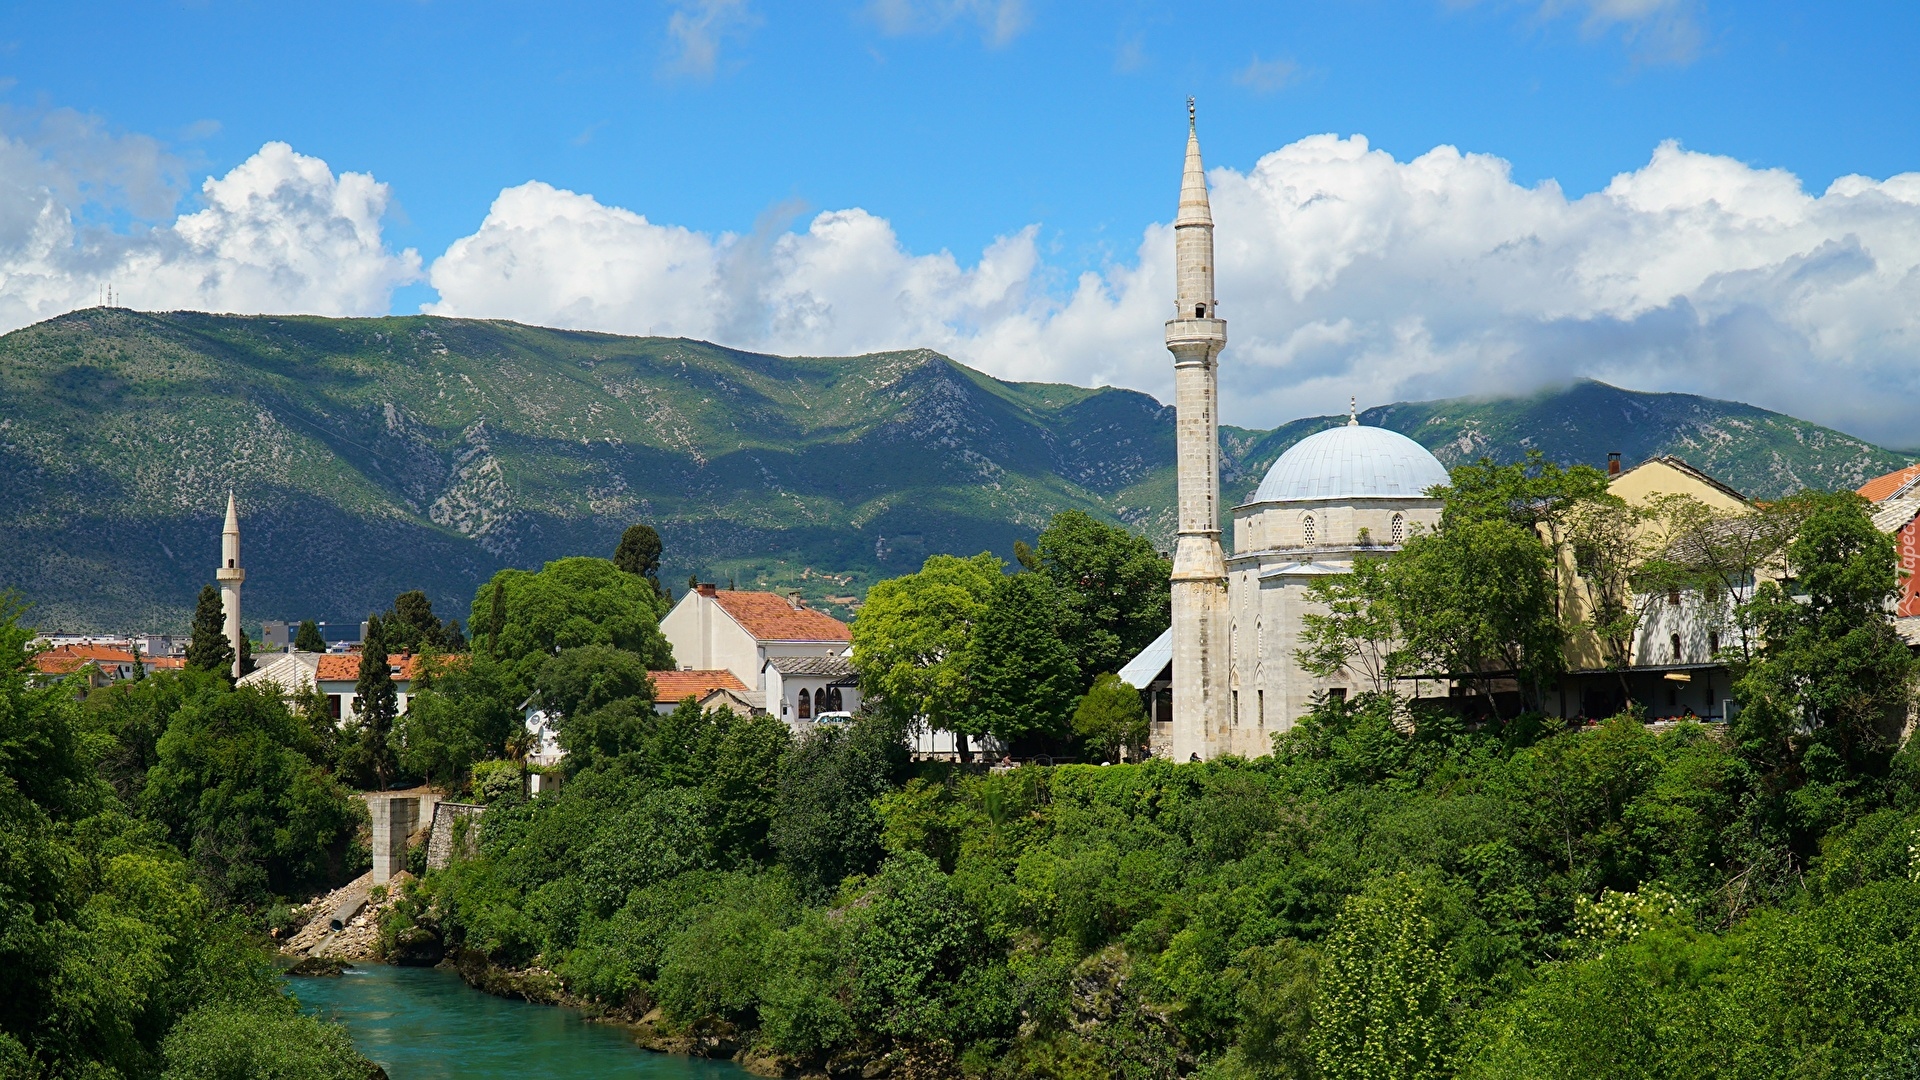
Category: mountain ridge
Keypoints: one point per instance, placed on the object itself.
(376, 455)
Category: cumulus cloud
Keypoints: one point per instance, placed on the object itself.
(845, 284)
(1341, 270)
(278, 233)
(1000, 21)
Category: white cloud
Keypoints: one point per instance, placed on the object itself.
(278, 233)
(696, 30)
(1000, 21)
(1341, 270)
(1657, 31)
(1267, 76)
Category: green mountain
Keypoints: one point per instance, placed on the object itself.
(377, 455)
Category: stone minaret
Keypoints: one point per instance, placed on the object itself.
(1195, 336)
(230, 576)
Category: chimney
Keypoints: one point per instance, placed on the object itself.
(1613, 463)
(793, 597)
(705, 588)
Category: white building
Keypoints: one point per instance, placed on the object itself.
(761, 637)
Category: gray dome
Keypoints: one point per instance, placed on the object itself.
(1352, 462)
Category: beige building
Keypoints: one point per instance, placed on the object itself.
(1671, 668)
(762, 638)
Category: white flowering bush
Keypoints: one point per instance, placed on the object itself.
(1622, 916)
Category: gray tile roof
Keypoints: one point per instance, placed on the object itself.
(831, 667)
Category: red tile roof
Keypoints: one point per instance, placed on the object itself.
(165, 663)
(345, 667)
(67, 659)
(1883, 487)
(678, 685)
(769, 617)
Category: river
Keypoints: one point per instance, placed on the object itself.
(425, 1024)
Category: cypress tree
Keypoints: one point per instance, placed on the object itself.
(377, 703)
(308, 638)
(639, 553)
(210, 650)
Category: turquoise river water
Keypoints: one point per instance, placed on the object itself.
(423, 1024)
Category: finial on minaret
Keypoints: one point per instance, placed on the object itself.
(1353, 412)
(1192, 124)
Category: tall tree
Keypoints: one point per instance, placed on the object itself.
(1112, 587)
(1823, 703)
(308, 639)
(910, 642)
(376, 704)
(568, 603)
(639, 553)
(1023, 678)
(209, 650)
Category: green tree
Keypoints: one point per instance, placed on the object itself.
(1823, 703)
(910, 643)
(376, 703)
(254, 1042)
(1024, 681)
(1475, 598)
(1353, 633)
(825, 825)
(234, 787)
(308, 639)
(579, 680)
(209, 649)
(567, 604)
(639, 554)
(1111, 719)
(1381, 1011)
(456, 716)
(1113, 589)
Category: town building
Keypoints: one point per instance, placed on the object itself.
(786, 654)
(97, 665)
(337, 675)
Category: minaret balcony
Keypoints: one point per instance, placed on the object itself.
(1196, 332)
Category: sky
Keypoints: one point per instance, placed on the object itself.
(1414, 199)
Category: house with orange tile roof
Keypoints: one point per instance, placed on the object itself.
(101, 665)
(336, 675)
(756, 636)
(1896, 511)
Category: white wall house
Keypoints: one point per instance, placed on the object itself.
(800, 688)
(745, 632)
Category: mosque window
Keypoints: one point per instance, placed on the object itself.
(1199, 311)
(1399, 528)
(1713, 641)
(806, 705)
(1674, 640)
(1307, 530)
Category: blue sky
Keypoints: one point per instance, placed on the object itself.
(960, 123)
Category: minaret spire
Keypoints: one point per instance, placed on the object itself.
(230, 575)
(1353, 412)
(1195, 336)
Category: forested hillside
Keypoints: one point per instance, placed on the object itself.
(376, 455)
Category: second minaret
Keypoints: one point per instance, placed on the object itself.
(230, 575)
(1195, 336)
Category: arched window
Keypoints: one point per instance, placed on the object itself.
(806, 705)
(1307, 530)
(832, 694)
(1399, 529)
(1713, 641)
(1674, 640)
(1199, 311)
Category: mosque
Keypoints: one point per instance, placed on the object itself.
(1224, 678)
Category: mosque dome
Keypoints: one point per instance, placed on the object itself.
(1352, 462)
